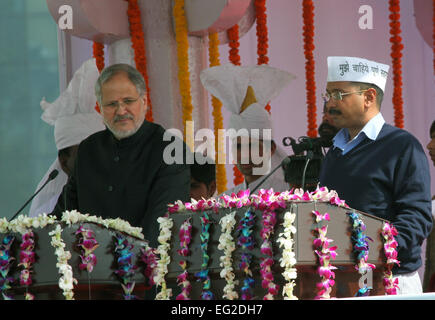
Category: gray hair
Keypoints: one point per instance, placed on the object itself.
(132, 73)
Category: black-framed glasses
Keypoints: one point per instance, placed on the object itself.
(338, 95)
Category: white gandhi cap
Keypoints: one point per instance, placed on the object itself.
(354, 69)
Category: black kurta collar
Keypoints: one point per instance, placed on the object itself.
(144, 133)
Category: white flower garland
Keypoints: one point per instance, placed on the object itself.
(66, 281)
(72, 217)
(288, 259)
(23, 224)
(227, 245)
(162, 264)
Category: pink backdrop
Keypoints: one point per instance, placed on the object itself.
(337, 32)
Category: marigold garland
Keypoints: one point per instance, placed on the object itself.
(308, 33)
(218, 123)
(262, 35)
(138, 45)
(98, 53)
(396, 55)
(181, 38)
(234, 57)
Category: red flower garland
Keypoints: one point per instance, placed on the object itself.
(308, 15)
(234, 57)
(98, 53)
(262, 35)
(138, 45)
(396, 55)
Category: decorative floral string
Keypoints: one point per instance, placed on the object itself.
(268, 204)
(288, 260)
(6, 262)
(87, 243)
(396, 55)
(98, 53)
(203, 274)
(138, 45)
(27, 259)
(185, 236)
(66, 281)
(126, 267)
(227, 245)
(234, 57)
(361, 250)
(218, 120)
(390, 244)
(246, 242)
(325, 253)
(308, 33)
(163, 251)
(149, 258)
(262, 35)
(181, 37)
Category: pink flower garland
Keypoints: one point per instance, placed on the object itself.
(185, 236)
(149, 258)
(27, 258)
(325, 253)
(390, 245)
(88, 244)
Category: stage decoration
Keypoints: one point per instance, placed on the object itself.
(164, 239)
(265, 202)
(27, 259)
(87, 243)
(262, 35)
(181, 37)
(66, 281)
(138, 45)
(390, 244)
(98, 54)
(361, 249)
(203, 274)
(149, 258)
(185, 236)
(126, 268)
(218, 120)
(246, 242)
(325, 253)
(227, 245)
(234, 57)
(288, 259)
(396, 55)
(73, 216)
(6, 261)
(308, 34)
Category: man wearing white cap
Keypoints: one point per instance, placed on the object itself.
(375, 167)
(245, 91)
(120, 172)
(74, 119)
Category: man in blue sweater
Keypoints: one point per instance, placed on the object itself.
(375, 167)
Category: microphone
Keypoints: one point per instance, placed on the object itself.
(53, 174)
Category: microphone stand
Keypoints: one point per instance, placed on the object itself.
(52, 175)
(266, 177)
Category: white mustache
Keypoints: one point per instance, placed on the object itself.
(124, 117)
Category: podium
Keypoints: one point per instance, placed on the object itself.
(101, 283)
(347, 278)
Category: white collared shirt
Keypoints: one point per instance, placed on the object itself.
(371, 130)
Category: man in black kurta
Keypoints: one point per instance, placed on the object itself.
(126, 176)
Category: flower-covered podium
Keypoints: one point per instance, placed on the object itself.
(76, 257)
(290, 245)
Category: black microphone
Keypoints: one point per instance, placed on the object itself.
(267, 177)
(53, 174)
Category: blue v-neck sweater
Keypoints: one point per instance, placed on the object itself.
(388, 178)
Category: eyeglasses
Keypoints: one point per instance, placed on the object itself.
(337, 95)
(116, 104)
